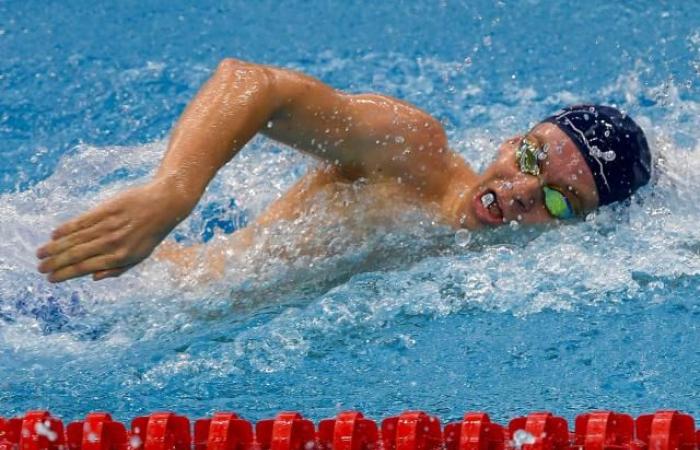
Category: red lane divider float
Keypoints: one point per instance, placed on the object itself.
(474, 432)
(287, 431)
(539, 431)
(10, 433)
(161, 431)
(605, 430)
(351, 430)
(412, 430)
(667, 429)
(37, 430)
(97, 432)
(224, 431)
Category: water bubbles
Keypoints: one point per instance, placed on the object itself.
(269, 124)
(463, 237)
(135, 441)
(487, 40)
(608, 155)
(522, 437)
(399, 139)
(514, 225)
(467, 62)
(44, 429)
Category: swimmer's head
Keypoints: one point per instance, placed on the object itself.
(566, 166)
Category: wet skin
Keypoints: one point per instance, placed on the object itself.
(375, 138)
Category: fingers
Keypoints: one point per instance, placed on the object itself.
(86, 220)
(57, 246)
(76, 254)
(84, 267)
(102, 274)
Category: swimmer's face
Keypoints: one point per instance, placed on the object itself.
(519, 196)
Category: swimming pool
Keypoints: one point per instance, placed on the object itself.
(601, 314)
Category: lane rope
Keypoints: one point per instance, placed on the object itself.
(351, 430)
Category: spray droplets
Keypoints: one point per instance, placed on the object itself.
(135, 441)
(605, 156)
(44, 429)
(463, 237)
(522, 437)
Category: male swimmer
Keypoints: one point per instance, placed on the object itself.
(569, 164)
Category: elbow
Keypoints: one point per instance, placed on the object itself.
(228, 65)
(235, 69)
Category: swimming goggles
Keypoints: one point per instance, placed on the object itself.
(528, 156)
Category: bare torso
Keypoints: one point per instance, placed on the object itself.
(322, 205)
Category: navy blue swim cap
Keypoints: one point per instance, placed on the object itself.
(613, 146)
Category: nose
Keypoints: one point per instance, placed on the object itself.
(525, 193)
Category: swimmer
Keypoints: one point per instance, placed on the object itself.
(568, 165)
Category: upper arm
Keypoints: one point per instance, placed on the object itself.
(365, 135)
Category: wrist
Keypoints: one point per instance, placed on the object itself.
(176, 195)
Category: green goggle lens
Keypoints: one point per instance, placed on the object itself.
(527, 156)
(557, 204)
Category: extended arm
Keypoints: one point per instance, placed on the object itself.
(364, 135)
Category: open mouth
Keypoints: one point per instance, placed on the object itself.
(487, 208)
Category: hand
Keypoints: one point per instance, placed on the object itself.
(114, 236)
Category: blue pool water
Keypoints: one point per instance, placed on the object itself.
(600, 314)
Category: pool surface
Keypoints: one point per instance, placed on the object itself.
(599, 314)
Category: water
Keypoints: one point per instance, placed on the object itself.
(599, 314)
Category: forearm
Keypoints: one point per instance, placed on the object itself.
(224, 115)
